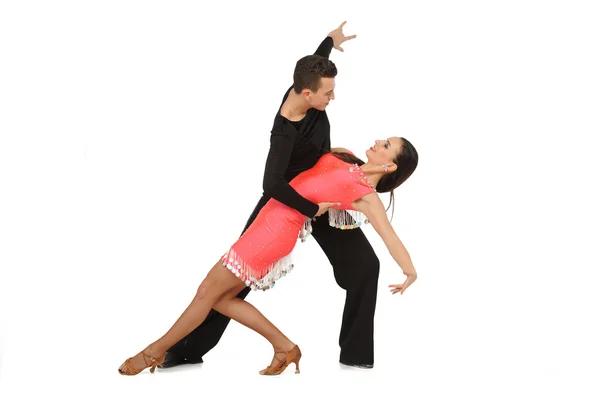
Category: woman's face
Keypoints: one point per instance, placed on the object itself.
(383, 152)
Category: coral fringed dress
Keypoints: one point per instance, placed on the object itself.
(263, 253)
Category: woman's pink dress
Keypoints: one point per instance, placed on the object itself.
(263, 253)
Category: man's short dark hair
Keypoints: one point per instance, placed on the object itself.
(309, 71)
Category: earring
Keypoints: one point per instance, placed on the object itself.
(385, 168)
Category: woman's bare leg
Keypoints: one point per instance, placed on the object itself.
(218, 281)
(247, 315)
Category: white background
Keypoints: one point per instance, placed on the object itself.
(132, 147)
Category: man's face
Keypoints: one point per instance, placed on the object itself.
(320, 99)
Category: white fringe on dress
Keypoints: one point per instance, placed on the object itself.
(344, 220)
(306, 230)
(238, 266)
(339, 219)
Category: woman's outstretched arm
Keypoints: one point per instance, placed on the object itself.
(374, 210)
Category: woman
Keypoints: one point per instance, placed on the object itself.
(262, 254)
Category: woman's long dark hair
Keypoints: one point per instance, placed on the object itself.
(406, 160)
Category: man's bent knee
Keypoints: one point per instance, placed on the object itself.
(370, 269)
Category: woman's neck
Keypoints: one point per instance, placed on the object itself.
(373, 173)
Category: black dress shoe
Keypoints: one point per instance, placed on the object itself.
(172, 360)
(360, 366)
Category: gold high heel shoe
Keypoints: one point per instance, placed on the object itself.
(128, 368)
(291, 356)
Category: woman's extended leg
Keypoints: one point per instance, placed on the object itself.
(218, 281)
(286, 351)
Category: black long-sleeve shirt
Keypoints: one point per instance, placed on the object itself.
(296, 147)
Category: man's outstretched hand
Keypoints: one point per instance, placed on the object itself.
(338, 37)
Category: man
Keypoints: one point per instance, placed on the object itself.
(300, 136)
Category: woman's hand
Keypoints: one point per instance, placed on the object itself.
(400, 288)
